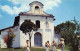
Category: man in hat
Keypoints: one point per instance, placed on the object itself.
(62, 44)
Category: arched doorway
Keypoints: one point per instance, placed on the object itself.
(38, 39)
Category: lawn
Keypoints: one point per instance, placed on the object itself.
(23, 49)
(66, 48)
(32, 49)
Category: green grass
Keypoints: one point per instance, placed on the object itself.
(66, 48)
(23, 49)
(32, 49)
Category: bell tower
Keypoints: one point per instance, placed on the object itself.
(36, 8)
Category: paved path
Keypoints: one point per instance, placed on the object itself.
(58, 50)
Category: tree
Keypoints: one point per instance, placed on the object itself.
(77, 35)
(67, 31)
(9, 38)
(27, 27)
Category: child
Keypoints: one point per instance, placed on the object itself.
(27, 45)
(54, 46)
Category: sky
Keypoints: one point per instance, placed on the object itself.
(63, 10)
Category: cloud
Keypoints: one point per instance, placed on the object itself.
(48, 5)
(14, 10)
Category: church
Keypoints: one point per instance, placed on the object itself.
(43, 20)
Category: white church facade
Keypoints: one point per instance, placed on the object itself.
(37, 15)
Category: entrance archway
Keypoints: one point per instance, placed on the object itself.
(38, 39)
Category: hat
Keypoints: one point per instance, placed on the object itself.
(62, 39)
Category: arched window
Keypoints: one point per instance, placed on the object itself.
(36, 7)
(38, 23)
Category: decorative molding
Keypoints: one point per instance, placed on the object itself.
(22, 14)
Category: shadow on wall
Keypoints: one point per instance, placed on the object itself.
(57, 38)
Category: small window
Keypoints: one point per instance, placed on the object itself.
(38, 23)
(36, 7)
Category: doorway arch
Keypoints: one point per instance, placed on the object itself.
(38, 39)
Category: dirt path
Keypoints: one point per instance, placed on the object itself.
(58, 50)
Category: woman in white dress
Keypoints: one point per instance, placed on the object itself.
(27, 45)
(54, 46)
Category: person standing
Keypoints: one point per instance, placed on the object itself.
(54, 45)
(47, 45)
(62, 44)
(27, 45)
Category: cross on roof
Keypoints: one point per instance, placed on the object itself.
(75, 21)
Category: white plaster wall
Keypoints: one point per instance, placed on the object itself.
(46, 36)
(57, 38)
(3, 44)
(23, 39)
(16, 42)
